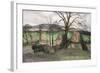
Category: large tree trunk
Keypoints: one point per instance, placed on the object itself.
(65, 41)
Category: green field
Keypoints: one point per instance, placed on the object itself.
(64, 54)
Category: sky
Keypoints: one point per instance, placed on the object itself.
(32, 17)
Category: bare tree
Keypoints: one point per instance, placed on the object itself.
(40, 32)
(69, 18)
(51, 23)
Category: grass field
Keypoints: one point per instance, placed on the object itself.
(60, 55)
(63, 54)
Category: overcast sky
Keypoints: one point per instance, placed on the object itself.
(45, 17)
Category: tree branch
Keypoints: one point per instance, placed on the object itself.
(73, 21)
(59, 15)
(68, 19)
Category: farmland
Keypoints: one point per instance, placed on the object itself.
(69, 53)
(56, 36)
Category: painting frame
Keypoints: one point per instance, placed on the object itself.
(16, 51)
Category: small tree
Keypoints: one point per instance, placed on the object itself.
(26, 32)
(50, 22)
(52, 28)
(40, 32)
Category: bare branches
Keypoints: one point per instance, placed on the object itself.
(63, 17)
(72, 21)
(59, 14)
(67, 14)
(69, 18)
